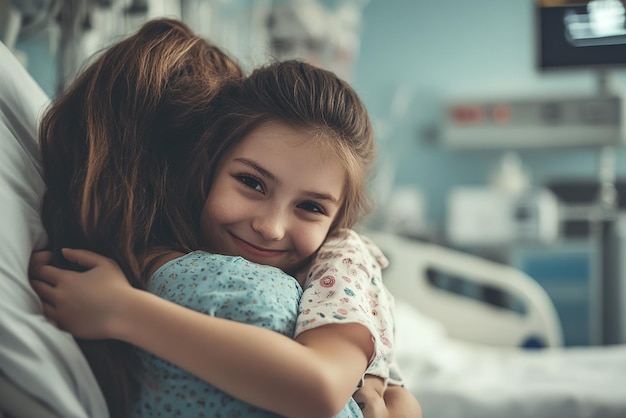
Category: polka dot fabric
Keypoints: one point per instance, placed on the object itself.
(225, 287)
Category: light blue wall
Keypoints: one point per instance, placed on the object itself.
(432, 51)
(41, 62)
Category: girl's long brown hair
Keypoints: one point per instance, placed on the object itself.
(119, 150)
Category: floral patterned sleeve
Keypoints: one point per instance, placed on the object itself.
(343, 284)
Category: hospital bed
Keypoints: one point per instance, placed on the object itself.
(460, 355)
(42, 370)
(491, 347)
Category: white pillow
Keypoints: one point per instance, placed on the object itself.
(35, 355)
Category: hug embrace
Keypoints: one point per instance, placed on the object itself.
(200, 242)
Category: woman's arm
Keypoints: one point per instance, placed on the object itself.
(313, 377)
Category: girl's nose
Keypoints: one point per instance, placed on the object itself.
(271, 226)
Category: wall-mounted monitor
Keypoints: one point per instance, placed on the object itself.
(580, 34)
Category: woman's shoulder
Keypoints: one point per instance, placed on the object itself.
(172, 260)
(202, 268)
(204, 261)
(229, 287)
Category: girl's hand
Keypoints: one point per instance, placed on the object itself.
(372, 404)
(370, 398)
(379, 402)
(82, 303)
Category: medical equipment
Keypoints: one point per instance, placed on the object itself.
(506, 123)
(486, 216)
(412, 276)
(580, 34)
(588, 36)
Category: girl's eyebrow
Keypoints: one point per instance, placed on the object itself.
(255, 166)
(323, 196)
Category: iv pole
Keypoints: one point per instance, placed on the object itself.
(604, 221)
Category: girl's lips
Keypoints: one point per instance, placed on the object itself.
(254, 250)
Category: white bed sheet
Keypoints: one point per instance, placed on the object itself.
(34, 355)
(455, 379)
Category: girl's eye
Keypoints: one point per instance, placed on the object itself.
(312, 207)
(251, 182)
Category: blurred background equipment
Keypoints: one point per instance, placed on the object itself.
(525, 227)
(325, 33)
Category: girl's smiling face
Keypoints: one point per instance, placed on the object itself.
(274, 197)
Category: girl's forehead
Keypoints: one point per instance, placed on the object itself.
(278, 127)
(275, 138)
(323, 141)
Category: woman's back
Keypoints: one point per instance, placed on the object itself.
(225, 287)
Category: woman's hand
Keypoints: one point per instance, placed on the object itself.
(82, 303)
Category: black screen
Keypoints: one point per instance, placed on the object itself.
(573, 35)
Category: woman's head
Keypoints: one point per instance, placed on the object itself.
(116, 140)
(116, 149)
(297, 106)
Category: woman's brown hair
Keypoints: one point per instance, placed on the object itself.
(119, 150)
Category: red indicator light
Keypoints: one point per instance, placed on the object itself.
(501, 114)
(465, 114)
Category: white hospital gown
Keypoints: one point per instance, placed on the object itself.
(344, 285)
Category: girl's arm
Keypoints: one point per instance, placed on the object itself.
(371, 398)
(313, 377)
(401, 403)
(346, 254)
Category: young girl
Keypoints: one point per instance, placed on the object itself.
(278, 188)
